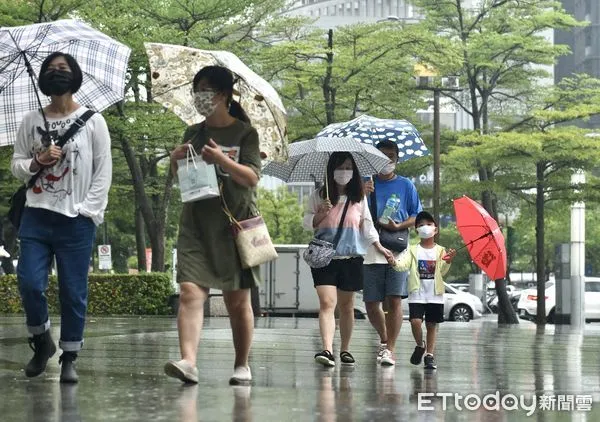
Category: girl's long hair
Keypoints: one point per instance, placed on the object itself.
(354, 189)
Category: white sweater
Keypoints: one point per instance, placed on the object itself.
(80, 181)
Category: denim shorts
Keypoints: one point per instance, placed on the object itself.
(381, 280)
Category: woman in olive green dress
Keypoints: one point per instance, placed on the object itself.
(206, 253)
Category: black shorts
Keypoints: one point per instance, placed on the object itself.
(433, 312)
(345, 274)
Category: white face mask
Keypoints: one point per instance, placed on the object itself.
(390, 168)
(426, 232)
(342, 177)
(203, 101)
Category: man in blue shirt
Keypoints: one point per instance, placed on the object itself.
(381, 281)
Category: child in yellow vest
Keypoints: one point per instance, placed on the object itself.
(426, 264)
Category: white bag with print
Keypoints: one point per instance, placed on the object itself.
(197, 179)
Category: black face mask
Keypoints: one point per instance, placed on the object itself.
(56, 82)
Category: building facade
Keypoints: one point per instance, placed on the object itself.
(584, 43)
(332, 13)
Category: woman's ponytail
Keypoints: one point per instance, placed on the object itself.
(236, 110)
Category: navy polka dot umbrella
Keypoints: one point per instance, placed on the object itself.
(372, 130)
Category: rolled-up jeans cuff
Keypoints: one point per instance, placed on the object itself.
(39, 329)
(70, 346)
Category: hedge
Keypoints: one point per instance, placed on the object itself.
(109, 294)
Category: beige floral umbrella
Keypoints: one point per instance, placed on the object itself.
(173, 68)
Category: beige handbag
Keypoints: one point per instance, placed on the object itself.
(252, 239)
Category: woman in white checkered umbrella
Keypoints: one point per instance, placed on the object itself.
(63, 155)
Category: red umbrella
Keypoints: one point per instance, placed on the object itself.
(482, 236)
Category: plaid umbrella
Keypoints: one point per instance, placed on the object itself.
(103, 62)
(173, 68)
(371, 130)
(308, 159)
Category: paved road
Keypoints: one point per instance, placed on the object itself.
(122, 380)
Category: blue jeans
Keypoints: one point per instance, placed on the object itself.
(43, 235)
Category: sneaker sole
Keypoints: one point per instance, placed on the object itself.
(324, 361)
(174, 371)
(385, 362)
(237, 381)
(348, 363)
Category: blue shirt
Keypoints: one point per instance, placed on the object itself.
(410, 204)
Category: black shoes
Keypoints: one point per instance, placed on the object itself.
(417, 355)
(430, 362)
(347, 359)
(325, 358)
(68, 374)
(43, 349)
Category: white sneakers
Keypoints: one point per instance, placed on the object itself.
(241, 376)
(182, 370)
(388, 358)
(382, 348)
(3, 253)
(186, 372)
(385, 357)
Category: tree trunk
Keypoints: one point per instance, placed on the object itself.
(539, 241)
(156, 242)
(506, 313)
(140, 240)
(328, 91)
(158, 248)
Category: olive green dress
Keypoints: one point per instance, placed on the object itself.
(206, 252)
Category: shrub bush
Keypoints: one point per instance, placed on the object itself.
(109, 294)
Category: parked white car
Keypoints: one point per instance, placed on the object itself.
(528, 303)
(458, 306)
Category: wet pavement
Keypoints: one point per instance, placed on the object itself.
(121, 375)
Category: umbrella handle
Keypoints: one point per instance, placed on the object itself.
(326, 185)
(445, 257)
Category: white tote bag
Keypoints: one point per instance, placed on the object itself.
(197, 179)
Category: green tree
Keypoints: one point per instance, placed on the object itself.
(502, 47)
(535, 164)
(330, 76)
(283, 215)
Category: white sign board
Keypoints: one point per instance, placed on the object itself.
(104, 257)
